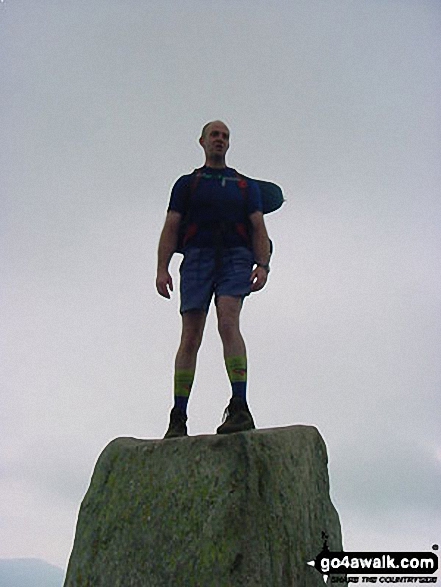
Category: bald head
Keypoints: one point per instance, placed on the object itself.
(207, 126)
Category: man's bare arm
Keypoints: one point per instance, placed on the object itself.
(167, 246)
(261, 249)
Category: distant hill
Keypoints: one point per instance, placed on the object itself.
(29, 572)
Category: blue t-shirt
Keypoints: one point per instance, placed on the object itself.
(217, 208)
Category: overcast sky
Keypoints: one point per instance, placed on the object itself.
(101, 106)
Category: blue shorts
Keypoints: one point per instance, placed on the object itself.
(202, 275)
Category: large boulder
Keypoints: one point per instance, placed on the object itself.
(242, 510)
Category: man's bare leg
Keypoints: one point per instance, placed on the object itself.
(228, 314)
(193, 323)
(228, 310)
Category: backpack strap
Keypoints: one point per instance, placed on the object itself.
(243, 229)
(195, 181)
(188, 230)
(242, 184)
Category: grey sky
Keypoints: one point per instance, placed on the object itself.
(337, 101)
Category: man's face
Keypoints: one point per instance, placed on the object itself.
(216, 140)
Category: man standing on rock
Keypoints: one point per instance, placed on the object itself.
(215, 217)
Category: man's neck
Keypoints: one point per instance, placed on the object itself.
(215, 164)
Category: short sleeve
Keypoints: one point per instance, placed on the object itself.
(179, 195)
(254, 197)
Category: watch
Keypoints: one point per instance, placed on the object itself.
(266, 267)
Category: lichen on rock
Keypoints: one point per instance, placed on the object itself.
(241, 510)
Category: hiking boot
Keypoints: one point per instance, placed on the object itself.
(238, 417)
(177, 426)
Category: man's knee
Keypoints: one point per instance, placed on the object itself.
(191, 341)
(192, 330)
(228, 312)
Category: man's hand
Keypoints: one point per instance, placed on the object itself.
(258, 278)
(261, 249)
(164, 281)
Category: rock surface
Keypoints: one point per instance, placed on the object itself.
(240, 510)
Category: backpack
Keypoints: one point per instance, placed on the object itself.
(272, 199)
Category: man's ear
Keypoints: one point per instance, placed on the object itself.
(201, 141)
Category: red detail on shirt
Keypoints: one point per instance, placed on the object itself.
(242, 231)
(190, 232)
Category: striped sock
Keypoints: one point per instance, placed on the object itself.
(237, 373)
(182, 386)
